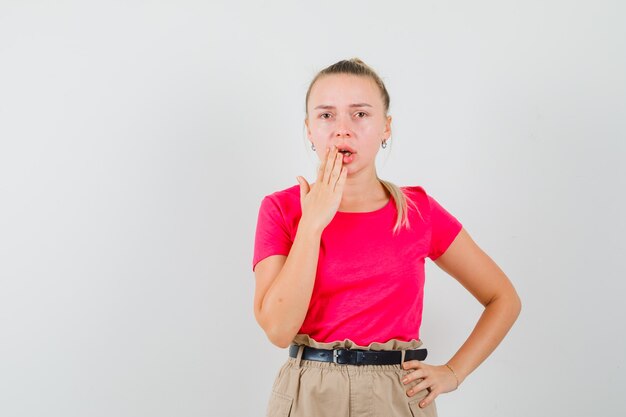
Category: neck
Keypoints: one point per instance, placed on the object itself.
(363, 188)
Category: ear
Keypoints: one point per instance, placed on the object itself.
(387, 131)
(308, 130)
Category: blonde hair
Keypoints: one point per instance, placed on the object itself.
(357, 67)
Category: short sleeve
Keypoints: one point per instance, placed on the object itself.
(272, 237)
(445, 227)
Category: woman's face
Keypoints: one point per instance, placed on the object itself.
(347, 111)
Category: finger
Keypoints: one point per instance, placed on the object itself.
(330, 164)
(320, 170)
(424, 384)
(417, 374)
(428, 399)
(414, 364)
(334, 175)
(342, 179)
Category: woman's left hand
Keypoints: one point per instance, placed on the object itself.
(437, 379)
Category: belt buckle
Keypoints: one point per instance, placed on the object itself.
(349, 357)
(336, 356)
(342, 356)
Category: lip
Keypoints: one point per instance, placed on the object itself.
(346, 148)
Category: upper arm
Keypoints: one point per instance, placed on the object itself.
(465, 261)
(265, 273)
(272, 244)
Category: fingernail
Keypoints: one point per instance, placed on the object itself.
(405, 380)
(422, 404)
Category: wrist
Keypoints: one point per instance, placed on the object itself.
(309, 229)
(456, 376)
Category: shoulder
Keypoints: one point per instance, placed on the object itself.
(287, 200)
(422, 200)
(417, 194)
(285, 195)
(413, 190)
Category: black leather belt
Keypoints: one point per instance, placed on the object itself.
(358, 356)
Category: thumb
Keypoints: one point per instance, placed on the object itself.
(304, 186)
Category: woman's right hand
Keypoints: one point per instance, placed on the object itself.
(321, 201)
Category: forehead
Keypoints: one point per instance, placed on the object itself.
(345, 89)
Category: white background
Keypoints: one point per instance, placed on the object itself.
(137, 140)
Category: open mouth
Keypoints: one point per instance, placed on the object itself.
(346, 150)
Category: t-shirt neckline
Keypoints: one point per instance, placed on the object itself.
(365, 213)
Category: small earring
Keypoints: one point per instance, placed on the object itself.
(384, 144)
(312, 146)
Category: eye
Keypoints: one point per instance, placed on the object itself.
(325, 115)
(361, 114)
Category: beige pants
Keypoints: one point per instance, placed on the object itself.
(306, 388)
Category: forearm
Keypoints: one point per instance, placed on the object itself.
(286, 302)
(494, 323)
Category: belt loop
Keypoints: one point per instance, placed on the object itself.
(402, 354)
(299, 356)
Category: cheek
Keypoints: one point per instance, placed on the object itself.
(370, 129)
(321, 130)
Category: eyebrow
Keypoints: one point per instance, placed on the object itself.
(323, 106)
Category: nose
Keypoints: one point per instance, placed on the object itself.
(343, 128)
(342, 133)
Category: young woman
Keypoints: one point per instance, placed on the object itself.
(339, 267)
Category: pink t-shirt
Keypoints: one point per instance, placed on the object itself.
(369, 285)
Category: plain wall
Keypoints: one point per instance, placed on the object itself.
(137, 140)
